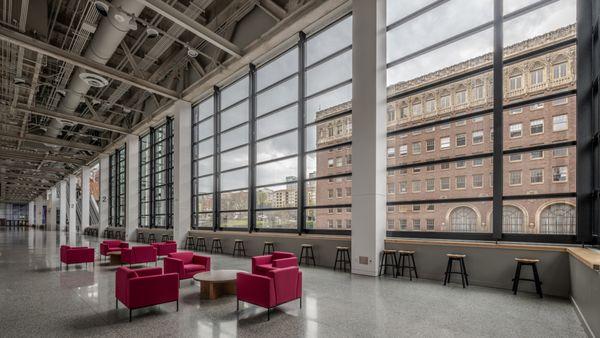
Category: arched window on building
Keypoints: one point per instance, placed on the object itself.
(513, 220)
(558, 219)
(463, 219)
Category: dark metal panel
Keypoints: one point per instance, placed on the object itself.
(301, 221)
(498, 170)
(252, 150)
(216, 162)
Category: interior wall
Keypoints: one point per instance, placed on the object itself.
(585, 294)
(494, 267)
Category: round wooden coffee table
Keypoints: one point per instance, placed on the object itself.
(216, 283)
(115, 257)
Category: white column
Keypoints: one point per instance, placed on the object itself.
(53, 206)
(85, 197)
(104, 191)
(63, 205)
(72, 208)
(39, 210)
(182, 176)
(368, 141)
(132, 190)
(31, 214)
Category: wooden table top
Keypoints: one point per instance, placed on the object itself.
(114, 253)
(217, 276)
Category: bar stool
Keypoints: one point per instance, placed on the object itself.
(123, 235)
(151, 238)
(536, 277)
(409, 256)
(171, 237)
(238, 247)
(307, 253)
(201, 244)
(118, 234)
(110, 234)
(164, 238)
(460, 258)
(140, 237)
(189, 243)
(216, 245)
(268, 248)
(384, 262)
(342, 256)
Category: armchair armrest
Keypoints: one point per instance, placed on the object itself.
(173, 265)
(255, 289)
(258, 260)
(103, 248)
(203, 260)
(285, 262)
(286, 283)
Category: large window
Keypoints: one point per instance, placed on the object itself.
(156, 177)
(441, 80)
(117, 179)
(281, 141)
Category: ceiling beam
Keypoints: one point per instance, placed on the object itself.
(164, 9)
(80, 61)
(34, 169)
(73, 118)
(53, 141)
(30, 176)
(30, 156)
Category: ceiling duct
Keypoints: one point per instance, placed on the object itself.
(106, 39)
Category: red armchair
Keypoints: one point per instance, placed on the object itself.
(165, 248)
(138, 254)
(112, 245)
(145, 287)
(75, 255)
(186, 264)
(261, 265)
(277, 287)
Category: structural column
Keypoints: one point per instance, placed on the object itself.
(132, 164)
(72, 208)
(63, 206)
(85, 197)
(104, 192)
(40, 202)
(53, 206)
(368, 141)
(182, 167)
(31, 213)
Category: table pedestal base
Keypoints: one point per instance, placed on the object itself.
(214, 290)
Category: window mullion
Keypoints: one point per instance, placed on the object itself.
(301, 219)
(498, 121)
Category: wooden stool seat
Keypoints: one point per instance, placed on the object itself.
(307, 253)
(406, 252)
(342, 256)
(456, 255)
(527, 260)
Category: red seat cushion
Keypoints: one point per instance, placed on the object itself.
(188, 268)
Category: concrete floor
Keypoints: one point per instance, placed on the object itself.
(36, 299)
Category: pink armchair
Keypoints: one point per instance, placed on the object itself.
(112, 245)
(165, 248)
(76, 255)
(186, 264)
(138, 254)
(277, 287)
(145, 287)
(261, 265)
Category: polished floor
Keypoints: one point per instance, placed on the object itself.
(36, 299)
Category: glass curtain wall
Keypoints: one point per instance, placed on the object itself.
(156, 177)
(284, 142)
(117, 179)
(441, 115)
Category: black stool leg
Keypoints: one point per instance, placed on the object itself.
(462, 272)
(410, 268)
(516, 279)
(536, 278)
(312, 256)
(381, 263)
(337, 254)
(412, 257)
(464, 267)
(243, 249)
(448, 270)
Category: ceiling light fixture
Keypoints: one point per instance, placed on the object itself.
(191, 52)
(151, 33)
(101, 7)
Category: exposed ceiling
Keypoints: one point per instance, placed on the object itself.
(74, 78)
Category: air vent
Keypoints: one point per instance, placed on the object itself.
(93, 80)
